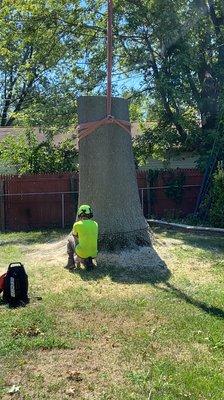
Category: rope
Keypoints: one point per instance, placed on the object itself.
(109, 55)
(87, 128)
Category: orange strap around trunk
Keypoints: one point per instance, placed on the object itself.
(87, 128)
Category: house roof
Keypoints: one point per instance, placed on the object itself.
(183, 160)
(11, 130)
(70, 133)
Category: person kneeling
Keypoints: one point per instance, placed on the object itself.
(83, 241)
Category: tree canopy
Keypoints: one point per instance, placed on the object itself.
(172, 54)
(42, 45)
(178, 47)
(177, 50)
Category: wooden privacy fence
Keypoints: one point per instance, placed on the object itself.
(45, 201)
(38, 201)
(169, 194)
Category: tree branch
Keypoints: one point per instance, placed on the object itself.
(217, 22)
(170, 116)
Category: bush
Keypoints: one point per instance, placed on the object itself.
(216, 213)
(25, 154)
(175, 183)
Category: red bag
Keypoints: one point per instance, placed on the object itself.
(2, 282)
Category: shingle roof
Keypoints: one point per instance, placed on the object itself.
(4, 131)
(70, 133)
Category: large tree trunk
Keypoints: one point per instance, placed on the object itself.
(108, 177)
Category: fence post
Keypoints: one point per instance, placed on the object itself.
(74, 188)
(142, 199)
(149, 201)
(62, 210)
(2, 207)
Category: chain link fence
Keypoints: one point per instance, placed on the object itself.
(27, 211)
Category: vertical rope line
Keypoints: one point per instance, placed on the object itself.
(109, 55)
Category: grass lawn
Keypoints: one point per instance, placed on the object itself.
(112, 334)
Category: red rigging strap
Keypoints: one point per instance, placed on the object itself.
(87, 128)
(109, 55)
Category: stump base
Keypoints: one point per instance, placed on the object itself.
(112, 242)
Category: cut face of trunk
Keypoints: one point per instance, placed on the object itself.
(108, 177)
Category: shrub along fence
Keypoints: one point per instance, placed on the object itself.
(169, 194)
(45, 201)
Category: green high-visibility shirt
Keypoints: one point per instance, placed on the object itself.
(87, 232)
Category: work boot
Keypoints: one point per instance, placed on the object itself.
(71, 263)
(77, 260)
(88, 262)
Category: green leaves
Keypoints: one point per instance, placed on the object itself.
(51, 52)
(216, 214)
(41, 45)
(26, 155)
(173, 45)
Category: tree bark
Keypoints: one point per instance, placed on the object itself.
(108, 178)
(210, 103)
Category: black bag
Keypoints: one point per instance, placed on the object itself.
(16, 286)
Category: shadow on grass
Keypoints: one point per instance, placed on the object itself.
(214, 311)
(124, 276)
(2, 303)
(153, 273)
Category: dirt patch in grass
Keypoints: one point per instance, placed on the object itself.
(89, 370)
(168, 254)
(141, 259)
(50, 374)
(181, 353)
(182, 260)
(50, 252)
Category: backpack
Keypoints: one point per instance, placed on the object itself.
(2, 282)
(15, 291)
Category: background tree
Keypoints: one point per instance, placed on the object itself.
(52, 52)
(42, 45)
(177, 48)
(24, 154)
